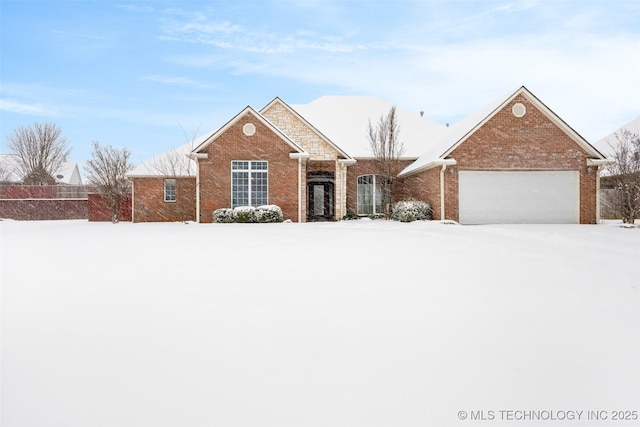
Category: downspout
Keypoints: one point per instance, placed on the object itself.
(133, 198)
(598, 195)
(197, 191)
(442, 214)
(599, 163)
(299, 189)
(197, 157)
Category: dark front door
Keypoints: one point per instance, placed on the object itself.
(320, 195)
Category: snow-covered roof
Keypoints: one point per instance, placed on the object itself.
(322, 136)
(603, 144)
(170, 163)
(67, 173)
(345, 120)
(460, 131)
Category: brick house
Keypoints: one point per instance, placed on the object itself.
(512, 161)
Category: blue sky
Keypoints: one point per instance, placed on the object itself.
(148, 74)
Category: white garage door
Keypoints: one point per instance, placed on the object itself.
(489, 197)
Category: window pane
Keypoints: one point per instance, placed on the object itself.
(170, 190)
(238, 165)
(259, 165)
(239, 189)
(259, 188)
(365, 195)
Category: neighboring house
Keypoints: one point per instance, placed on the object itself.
(512, 161)
(67, 174)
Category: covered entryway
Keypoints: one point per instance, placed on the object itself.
(492, 197)
(320, 194)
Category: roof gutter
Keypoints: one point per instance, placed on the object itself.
(347, 162)
(198, 156)
(432, 164)
(599, 162)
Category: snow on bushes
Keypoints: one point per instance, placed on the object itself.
(248, 214)
(224, 215)
(269, 213)
(411, 210)
(244, 214)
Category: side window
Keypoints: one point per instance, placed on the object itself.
(169, 190)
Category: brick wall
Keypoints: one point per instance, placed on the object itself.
(215, 172)
(28, 192)
(424, 186)
(99, 208)
(532, 142)
(149, 205)
(43, 209)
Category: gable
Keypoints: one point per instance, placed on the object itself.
(543, 121)
(251, 121)
(546, 119)
(300, 130)
(505, 141)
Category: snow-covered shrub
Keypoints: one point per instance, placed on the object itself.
(269, 213)
(244, 214)
(411, 210)
(224, 215)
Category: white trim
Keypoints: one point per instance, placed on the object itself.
(300, 189)
(599, 162)
(133, 200)
(442, 214)
(198, 192)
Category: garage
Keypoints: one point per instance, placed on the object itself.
(495, 197)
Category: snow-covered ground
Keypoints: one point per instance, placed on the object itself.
(363, 323)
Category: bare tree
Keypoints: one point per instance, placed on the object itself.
(175, 164)
(387, 150)
(106, 171)
(40, 151)
(625, 174)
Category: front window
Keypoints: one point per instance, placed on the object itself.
(370, 192)
(249, 183)
(169, 190)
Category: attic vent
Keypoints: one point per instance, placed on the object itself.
(249, 129)
(518, 109)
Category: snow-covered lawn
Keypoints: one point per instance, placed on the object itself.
(364, 323)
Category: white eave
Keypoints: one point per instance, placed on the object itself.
(197, 156)
(599, 162)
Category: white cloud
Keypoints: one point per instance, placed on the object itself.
(22, 108)
(178, 81)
